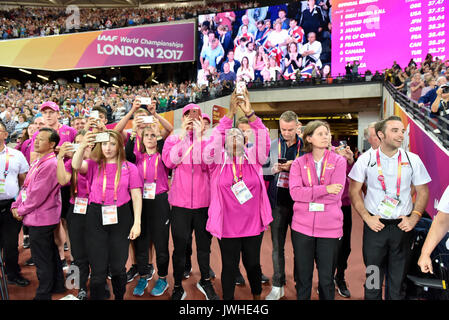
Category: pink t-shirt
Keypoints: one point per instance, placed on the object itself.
(162, 171)
(129, 179)
(66, 134)
(240, 220)
(82, 183)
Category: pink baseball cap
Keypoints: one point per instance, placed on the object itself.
(189, 107)
(205, 116)
(49, 104)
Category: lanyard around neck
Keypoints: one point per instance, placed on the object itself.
(323, 169)
(7, 156)
(286, 147)
(234, 171)
(105, 183)
(145, 167)
(381, 177)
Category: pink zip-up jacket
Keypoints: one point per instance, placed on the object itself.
(190, 179)
(325, 224)
(255, 159)
(42, 206)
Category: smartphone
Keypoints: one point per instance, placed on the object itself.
(102, 137)
(240, 89)
(147, 119)
(75, 146)
(282, 160)
(94, 114)
(195, 114)
(344, 143)
(145, 101)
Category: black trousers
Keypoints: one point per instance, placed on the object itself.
(308, 250)
(108, 246)
(76, 225)
(181, 230)
(282, 219)
(230, 258)
(344, 249)
(45, 255)
(386, 253)
(155, 227)
(9, 239)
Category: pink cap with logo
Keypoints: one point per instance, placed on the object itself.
(49, 104)
(189, 107)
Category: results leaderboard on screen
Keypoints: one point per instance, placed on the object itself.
(378, 32)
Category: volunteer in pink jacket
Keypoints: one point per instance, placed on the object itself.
(189, 197)
(39, 205)
(317, 180)
(240, 210)
(114, 185)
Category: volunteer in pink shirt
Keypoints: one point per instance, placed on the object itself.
(39, 205)
(113, 183)
(155, 209)
(76, 216)
(50, 115)
(240, 210)
(189, 198)
(317, 180)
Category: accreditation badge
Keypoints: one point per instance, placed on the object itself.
(241, 192)
(80, 205)
(109, 214)
(316, 207)
(2, 185)
(387, 207)
(149, 190)
(283, 180)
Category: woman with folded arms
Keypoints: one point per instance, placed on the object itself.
(239, 211)
(113, 182)
(317, 180)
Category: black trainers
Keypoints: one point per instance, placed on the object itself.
(82, 295)
(29, 262)
(19, 281)
(342, 288)
(264, 279)
(211, 273)
(187, 271)
(206, 288)
(239, 281)
(132, 273)
(26, 242)
(178, 293)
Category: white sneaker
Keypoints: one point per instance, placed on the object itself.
(275, 294)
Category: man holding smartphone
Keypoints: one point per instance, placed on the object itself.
(282, 154)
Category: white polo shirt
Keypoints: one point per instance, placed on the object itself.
(365, 171)
(17, 165)
(443, 205)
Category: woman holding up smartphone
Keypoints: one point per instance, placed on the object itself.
(240, 210)
(76, 215)
(316, 183)
(155, 209)
(112, 183)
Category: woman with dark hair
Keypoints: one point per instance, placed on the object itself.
(245, 72)
(113, 183)
(240, 210)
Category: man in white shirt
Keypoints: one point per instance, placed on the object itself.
(438, 230)
(13, 169)
(387, 209)
(311, 51)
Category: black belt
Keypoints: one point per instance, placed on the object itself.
(390, 221)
